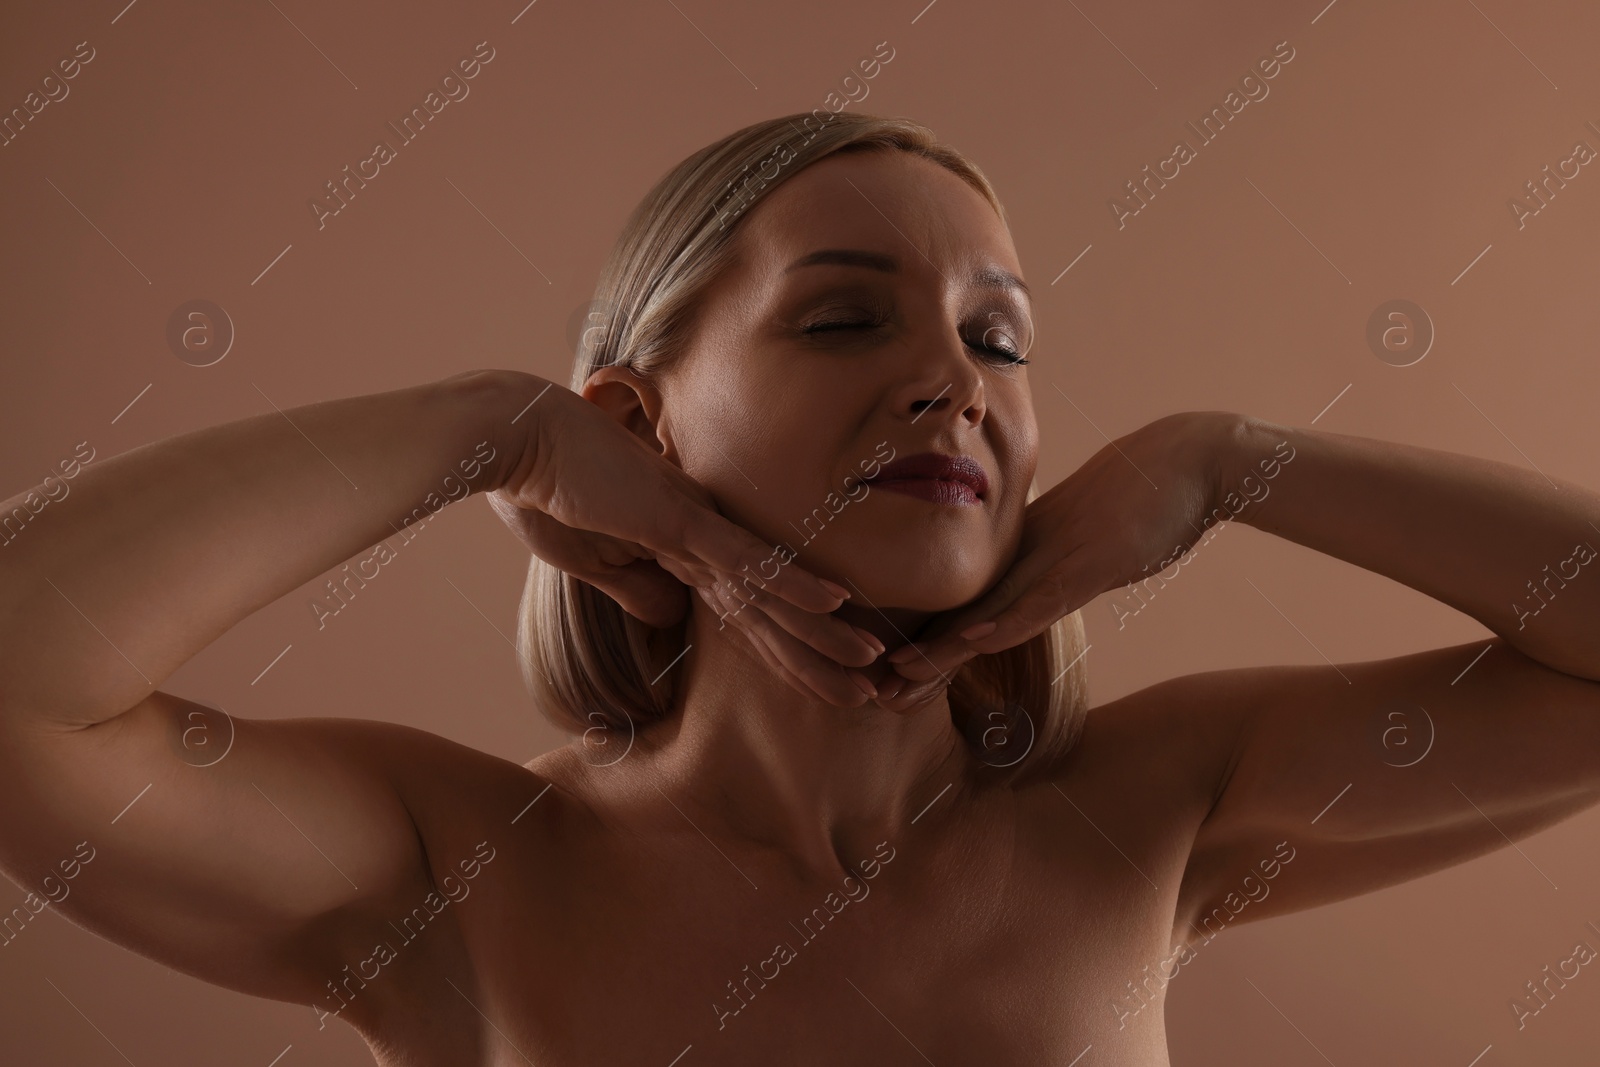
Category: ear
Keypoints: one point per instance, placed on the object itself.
(634, 401)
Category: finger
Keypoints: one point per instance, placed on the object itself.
(647, 592)
(1060, 591)
(589, 554)
(829, 635)
(576, 551)
(889, 687)
(620, 569)
(826, 678)
(942, 648)
(912, 696)
(935, 659)
(793, 680)
(692, 575)
(1032, 596)
(695, 534)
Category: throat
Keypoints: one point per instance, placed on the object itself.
(833, 797)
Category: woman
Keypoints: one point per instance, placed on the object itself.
(786, 832)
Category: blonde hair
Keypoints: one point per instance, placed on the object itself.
(590, 665)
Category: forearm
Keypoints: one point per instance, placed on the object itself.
(1490, 539)
(160, 550)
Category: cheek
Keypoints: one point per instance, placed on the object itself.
(1015, 430)
(1013, 440)
(759, 452)
(764, 432)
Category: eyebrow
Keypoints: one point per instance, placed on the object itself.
(990, 277)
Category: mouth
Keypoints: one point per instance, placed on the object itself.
(949, 480)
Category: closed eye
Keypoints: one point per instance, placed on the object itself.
(1007, 357)
(821, 326)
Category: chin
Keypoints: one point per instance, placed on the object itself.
(912, 578)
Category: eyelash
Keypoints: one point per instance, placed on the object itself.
(1004, 357)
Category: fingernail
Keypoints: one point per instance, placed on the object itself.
(979, 629)
(904, 655)
(864, 685)
(835, 588)
(872, 642)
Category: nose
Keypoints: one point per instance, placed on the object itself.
(946, 384)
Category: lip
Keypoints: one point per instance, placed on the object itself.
(935, 476)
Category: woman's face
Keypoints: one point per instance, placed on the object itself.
(809, 373)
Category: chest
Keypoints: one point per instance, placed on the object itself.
(985, 942)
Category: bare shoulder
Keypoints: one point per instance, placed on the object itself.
(463, 798)
(1133, 793)
(466, 803)
(1167, 748)
(495, 838)
(257, 854)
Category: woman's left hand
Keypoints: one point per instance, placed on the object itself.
(1133, 508)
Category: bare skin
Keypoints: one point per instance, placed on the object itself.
(574, 912)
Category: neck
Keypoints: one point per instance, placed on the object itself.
(767, 763)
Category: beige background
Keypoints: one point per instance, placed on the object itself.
(1379, 166)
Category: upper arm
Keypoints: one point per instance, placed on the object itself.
(1336, 788)
(241, 851)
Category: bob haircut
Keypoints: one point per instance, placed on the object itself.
(589, 665)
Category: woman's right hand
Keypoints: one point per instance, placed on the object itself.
(590, 498)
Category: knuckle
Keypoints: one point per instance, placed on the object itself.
(1052, 586)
